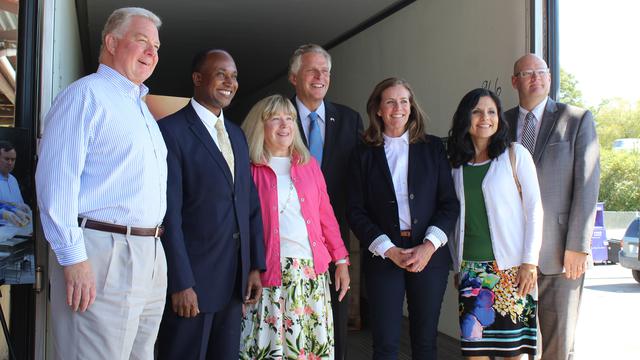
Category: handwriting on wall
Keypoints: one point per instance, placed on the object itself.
(492, 85)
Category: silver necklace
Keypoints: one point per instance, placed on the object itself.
(286, 203)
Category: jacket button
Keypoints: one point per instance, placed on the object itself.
(275, 231)
(301, 199)
(415, 221)
(314, 243)
(411, 196)
(308, 221)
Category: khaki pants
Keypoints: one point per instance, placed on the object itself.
(131, 285)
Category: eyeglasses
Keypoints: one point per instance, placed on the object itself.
(529, 73)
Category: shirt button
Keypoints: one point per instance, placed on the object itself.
(411, 196)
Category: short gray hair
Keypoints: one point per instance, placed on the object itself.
(120, 18)
(294, 62)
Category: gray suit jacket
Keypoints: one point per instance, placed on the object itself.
(567, 159)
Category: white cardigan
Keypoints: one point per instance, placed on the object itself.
(515, 226)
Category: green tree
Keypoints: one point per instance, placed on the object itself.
(620, 180)
(569, 92)
(617, 119)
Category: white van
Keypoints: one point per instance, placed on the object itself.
(628, 144)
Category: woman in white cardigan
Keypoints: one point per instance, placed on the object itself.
(497, 240)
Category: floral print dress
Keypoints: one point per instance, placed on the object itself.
(494, 319)
(291, 321)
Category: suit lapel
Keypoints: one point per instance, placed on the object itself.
(549, 120)
(200, 131)
(414, 158)
(381, 158)
(330, 128)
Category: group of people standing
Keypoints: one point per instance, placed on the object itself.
(251, 260)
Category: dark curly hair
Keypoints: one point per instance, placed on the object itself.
(460, 148)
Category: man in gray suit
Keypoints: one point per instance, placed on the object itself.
(564, 145)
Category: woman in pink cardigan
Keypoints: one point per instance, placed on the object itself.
(293, 317)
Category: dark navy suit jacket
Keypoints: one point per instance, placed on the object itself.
(213, 226)
(373, 207)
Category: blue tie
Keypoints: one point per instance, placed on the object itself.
(315, 138)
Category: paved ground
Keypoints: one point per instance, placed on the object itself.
(609, 325)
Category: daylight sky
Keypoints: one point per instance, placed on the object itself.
(600, 45)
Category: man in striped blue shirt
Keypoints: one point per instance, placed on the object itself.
(101, 185)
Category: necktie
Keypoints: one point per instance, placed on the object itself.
(224, 144)
(528, 138)
(315, 138)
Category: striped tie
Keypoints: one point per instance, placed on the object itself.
(224, 145)
(528, 138)
(315, 138)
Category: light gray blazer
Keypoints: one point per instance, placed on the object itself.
(567, 158)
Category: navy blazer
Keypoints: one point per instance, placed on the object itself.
(343, 129)
(212, 221)
(373, 207)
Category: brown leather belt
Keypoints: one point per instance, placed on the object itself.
(405, 233)
(121, 229)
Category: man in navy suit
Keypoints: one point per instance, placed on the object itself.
(331, 131)
(213, 237)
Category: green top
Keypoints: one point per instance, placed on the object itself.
(477, 238)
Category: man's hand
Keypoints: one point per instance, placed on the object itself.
(526, 279)
(254, 288)
(185, 303)
(397, 256)
(81, 285)
(23, 207)
(575, 264)
(419, 256)
(17, 217)
(342, 280)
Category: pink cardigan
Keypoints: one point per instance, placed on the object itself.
(322, 227)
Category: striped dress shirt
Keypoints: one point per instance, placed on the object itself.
(102, 157)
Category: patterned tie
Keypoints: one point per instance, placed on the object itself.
(315, 138)
(225, 145)
(528, 138)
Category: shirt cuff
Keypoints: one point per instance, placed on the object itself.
(342, 261)
(380, 245)
(70, 255)
(437, 237)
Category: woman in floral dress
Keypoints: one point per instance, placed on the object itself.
(293, 317)
(496, 246)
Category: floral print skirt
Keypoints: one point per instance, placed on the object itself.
(494, 319)
(291, 321)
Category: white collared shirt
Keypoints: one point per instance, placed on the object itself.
(397, 153)
(538, 112)
(209, 119)
(102, 157)
(303, 112)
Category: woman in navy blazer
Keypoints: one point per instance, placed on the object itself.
(402, 206)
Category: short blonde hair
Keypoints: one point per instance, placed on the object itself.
(253, 127)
